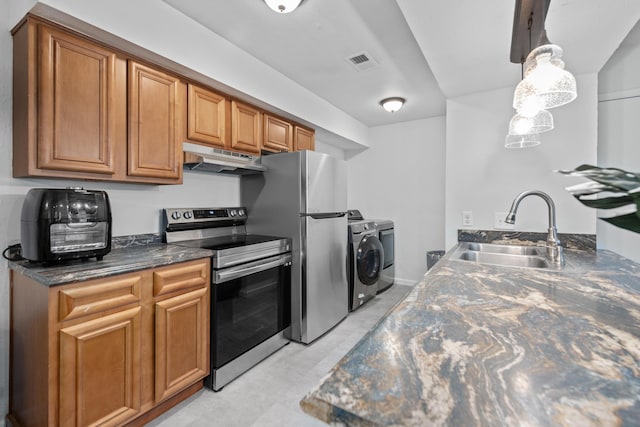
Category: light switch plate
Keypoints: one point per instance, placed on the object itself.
(467, 218)
(498, 221)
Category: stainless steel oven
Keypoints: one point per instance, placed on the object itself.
(250, 289)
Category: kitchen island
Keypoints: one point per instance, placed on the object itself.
(483, 345)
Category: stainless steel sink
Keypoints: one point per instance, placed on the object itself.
(504, 255)
(505, 249)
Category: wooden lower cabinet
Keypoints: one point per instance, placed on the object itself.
(100, 370)
(112, 351)
(181, 335)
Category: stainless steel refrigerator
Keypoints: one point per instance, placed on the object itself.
(303, 195)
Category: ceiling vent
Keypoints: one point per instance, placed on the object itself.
(361, 61)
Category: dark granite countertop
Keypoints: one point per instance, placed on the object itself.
(120, 260)
(484, 345)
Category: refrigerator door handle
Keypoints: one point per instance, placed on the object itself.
(324, 215)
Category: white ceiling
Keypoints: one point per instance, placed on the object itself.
(424, 51)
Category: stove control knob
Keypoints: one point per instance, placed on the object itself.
(232, 212)
(175, 215)
(241, 212)
(187, 214)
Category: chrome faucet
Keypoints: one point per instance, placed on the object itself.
(554, 249)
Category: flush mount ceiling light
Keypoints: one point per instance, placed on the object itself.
(392, 104)
(545, 83)
(283, 6)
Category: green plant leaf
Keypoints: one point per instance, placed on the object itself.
(628, 222)
(618, 178)
(608, 180)
(607, 202)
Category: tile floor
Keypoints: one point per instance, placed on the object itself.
(269, 393)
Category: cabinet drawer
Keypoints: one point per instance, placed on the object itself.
(181, 277)
(101, 296)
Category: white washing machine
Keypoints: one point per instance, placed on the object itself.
(365, 264)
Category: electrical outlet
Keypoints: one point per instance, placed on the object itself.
(499, 223)
(467, 218)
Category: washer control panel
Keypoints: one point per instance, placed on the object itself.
(362, 227)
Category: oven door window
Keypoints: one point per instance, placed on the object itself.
(248, 310)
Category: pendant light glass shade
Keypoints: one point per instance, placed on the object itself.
(523, 125)
(522, 141)
(546, 84)
(283, 6)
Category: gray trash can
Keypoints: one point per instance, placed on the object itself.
(433, 257)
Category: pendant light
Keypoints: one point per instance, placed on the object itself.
(522, 141)
(547, 84)
(283, 6)
(541, 122)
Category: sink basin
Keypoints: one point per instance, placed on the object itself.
(506, 249)
(504, 255)
(509, 260)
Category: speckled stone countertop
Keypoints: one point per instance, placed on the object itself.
(484, 345)
(123, 259)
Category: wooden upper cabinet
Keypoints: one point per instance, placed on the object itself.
(156, 123)
(83, 109)
(278, 134)
(207, 115)
(246, 128)
(69, 111)
(303, 139)
(76, 85)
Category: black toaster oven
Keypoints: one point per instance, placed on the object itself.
(62, 224)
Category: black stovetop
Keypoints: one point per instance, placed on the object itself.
(227, 242)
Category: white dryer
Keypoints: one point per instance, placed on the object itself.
(366, 258)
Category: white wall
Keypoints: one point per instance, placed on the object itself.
(483, 177)
(619, 135)
(401, 177)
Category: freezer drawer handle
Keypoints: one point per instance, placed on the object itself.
(325, 215)
(251, 268)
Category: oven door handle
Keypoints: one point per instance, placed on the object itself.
(231, 273)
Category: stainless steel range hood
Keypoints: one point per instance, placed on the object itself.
(209, 159)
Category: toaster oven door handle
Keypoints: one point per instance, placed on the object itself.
(231, 273)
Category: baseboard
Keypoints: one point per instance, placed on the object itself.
(405, 282)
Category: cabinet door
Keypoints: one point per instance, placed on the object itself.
(206, 117)
(182, 342)
(156, 123)
(246, 128)
(278, 134)
(303, 139)
(100, 370)
(76, 104)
